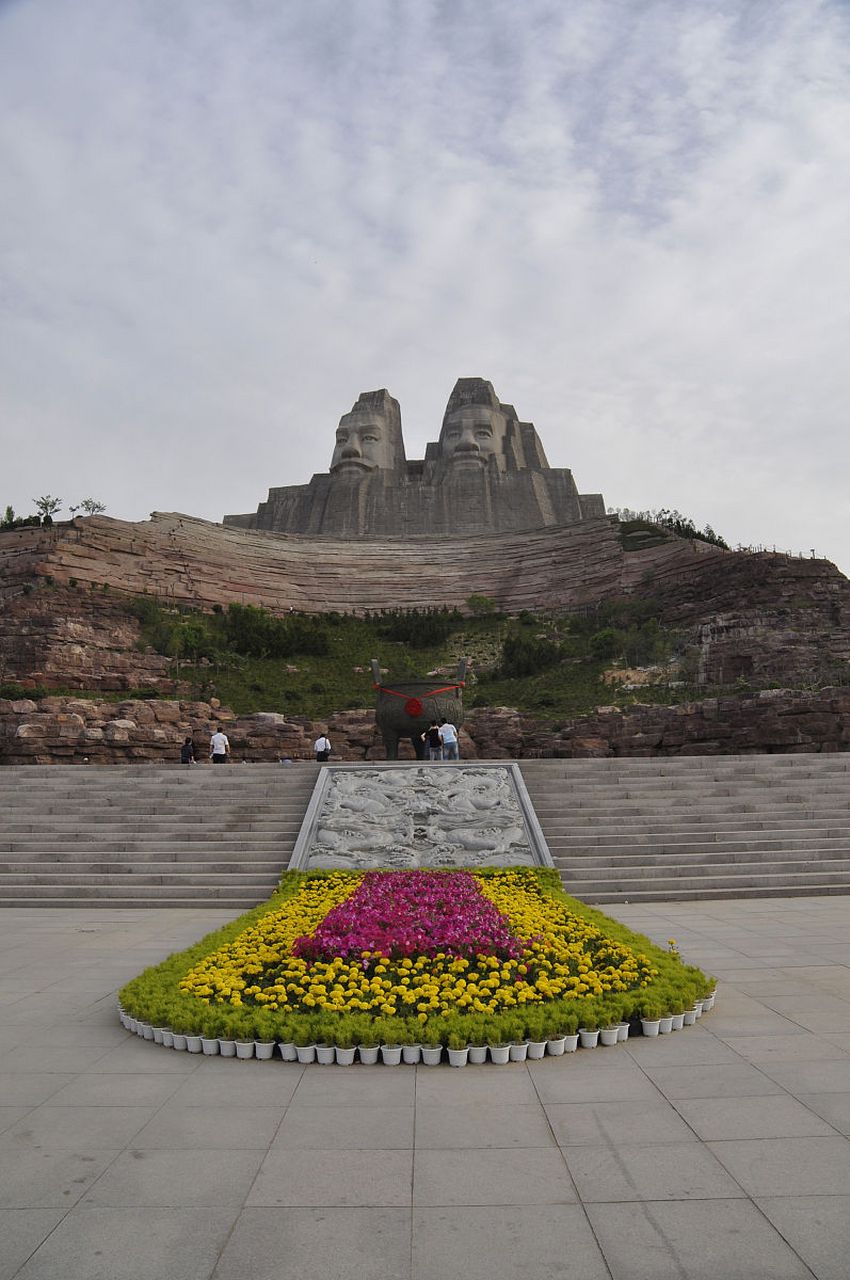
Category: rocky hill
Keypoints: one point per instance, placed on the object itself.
(65, 592)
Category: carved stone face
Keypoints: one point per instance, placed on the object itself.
(472, 434)
(363, 444)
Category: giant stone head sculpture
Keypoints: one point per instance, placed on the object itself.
(474, 426)
(369, 438)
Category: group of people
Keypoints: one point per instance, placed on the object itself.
(441, 740)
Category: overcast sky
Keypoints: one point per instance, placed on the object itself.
(220, 222)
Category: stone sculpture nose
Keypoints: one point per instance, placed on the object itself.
(352, 447)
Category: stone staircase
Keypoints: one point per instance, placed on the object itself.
(148, 836)
(619, 829)
(646, 830)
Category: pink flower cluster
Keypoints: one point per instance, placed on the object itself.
(412, 913)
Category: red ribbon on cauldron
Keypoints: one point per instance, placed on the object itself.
(413, 706)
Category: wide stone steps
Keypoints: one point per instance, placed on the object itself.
(636, 830)
(148, 835)
(653, 830)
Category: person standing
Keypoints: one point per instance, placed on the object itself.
(187, 752)
(448, 737)
(322, 748)
(219, 747)
(431, 737)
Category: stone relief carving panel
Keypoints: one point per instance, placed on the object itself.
(427, 815)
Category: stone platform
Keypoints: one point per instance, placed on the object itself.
(723, 1153)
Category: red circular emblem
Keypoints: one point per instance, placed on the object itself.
(413, 707)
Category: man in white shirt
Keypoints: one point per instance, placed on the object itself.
(219, 747)
(448, 737)
(322, 748)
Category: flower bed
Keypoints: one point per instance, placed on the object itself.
(437, 958)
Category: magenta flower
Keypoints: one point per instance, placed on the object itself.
(413, 913)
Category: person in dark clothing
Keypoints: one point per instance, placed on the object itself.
(431, 737)
(187, 752)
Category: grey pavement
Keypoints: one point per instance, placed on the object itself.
(717, 1153)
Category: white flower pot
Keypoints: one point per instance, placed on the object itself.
(345, 1057)
(518, 1052)
(650, 1026)
(168, 1037)
(264, 1049)
(131, 1025)
(368, 1054)
(193, 1044)
(608, 1035)
(678, 1021)
(477, 1053)
(391, 1054)
(536, 1049)
(147, 1031)
(500, 1054)
(458, 1057)
(244, 1049)
(698, 1008)
(589, 1039)
(288, 1052)
(571, 1043)
(157, 1035)
(411, 1053)
(432, 1055)
(305, 1052)
(708, 1002)
(209, 1047)
(666, 1025)
(689, 1017)
(227, 1048)
(622, 1032)
(179, 1040)
(325, 1054)
(555, 1046)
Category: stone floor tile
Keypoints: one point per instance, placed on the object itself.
(340, 1179)
(817, 1227)
(10, 1116)
(681, 1171)
(481, 1124)
(509, 1084)
(108, 1089)
(143, 1055)
(692, 1240)
(787, 1166)
(329, 1244)
(795, 1048)
(810, 1077)
(772, 1116)
(62, 1058)
(475, 1176)
(233, 1083)
(733, 1080)
(834, 1108)
(69, 1128)
(21, 1090)
(519, 1240)
(176, 1179)
(356, 1086)
(21, 1232)
(49, 1179)
(726, 1023)
(346, 1128)
(126, 1244)
(212, 1128)
(690, 1046)
(616, 1123)
(624, 1082)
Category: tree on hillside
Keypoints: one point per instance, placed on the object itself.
(92, 507)
(47, 507)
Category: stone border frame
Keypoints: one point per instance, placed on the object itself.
(300, 858)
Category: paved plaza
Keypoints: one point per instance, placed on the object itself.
(719, 1152)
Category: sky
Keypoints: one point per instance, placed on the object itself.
(220, 222)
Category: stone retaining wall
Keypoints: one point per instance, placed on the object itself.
(76, 730)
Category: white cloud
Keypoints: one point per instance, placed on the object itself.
(220, 223)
